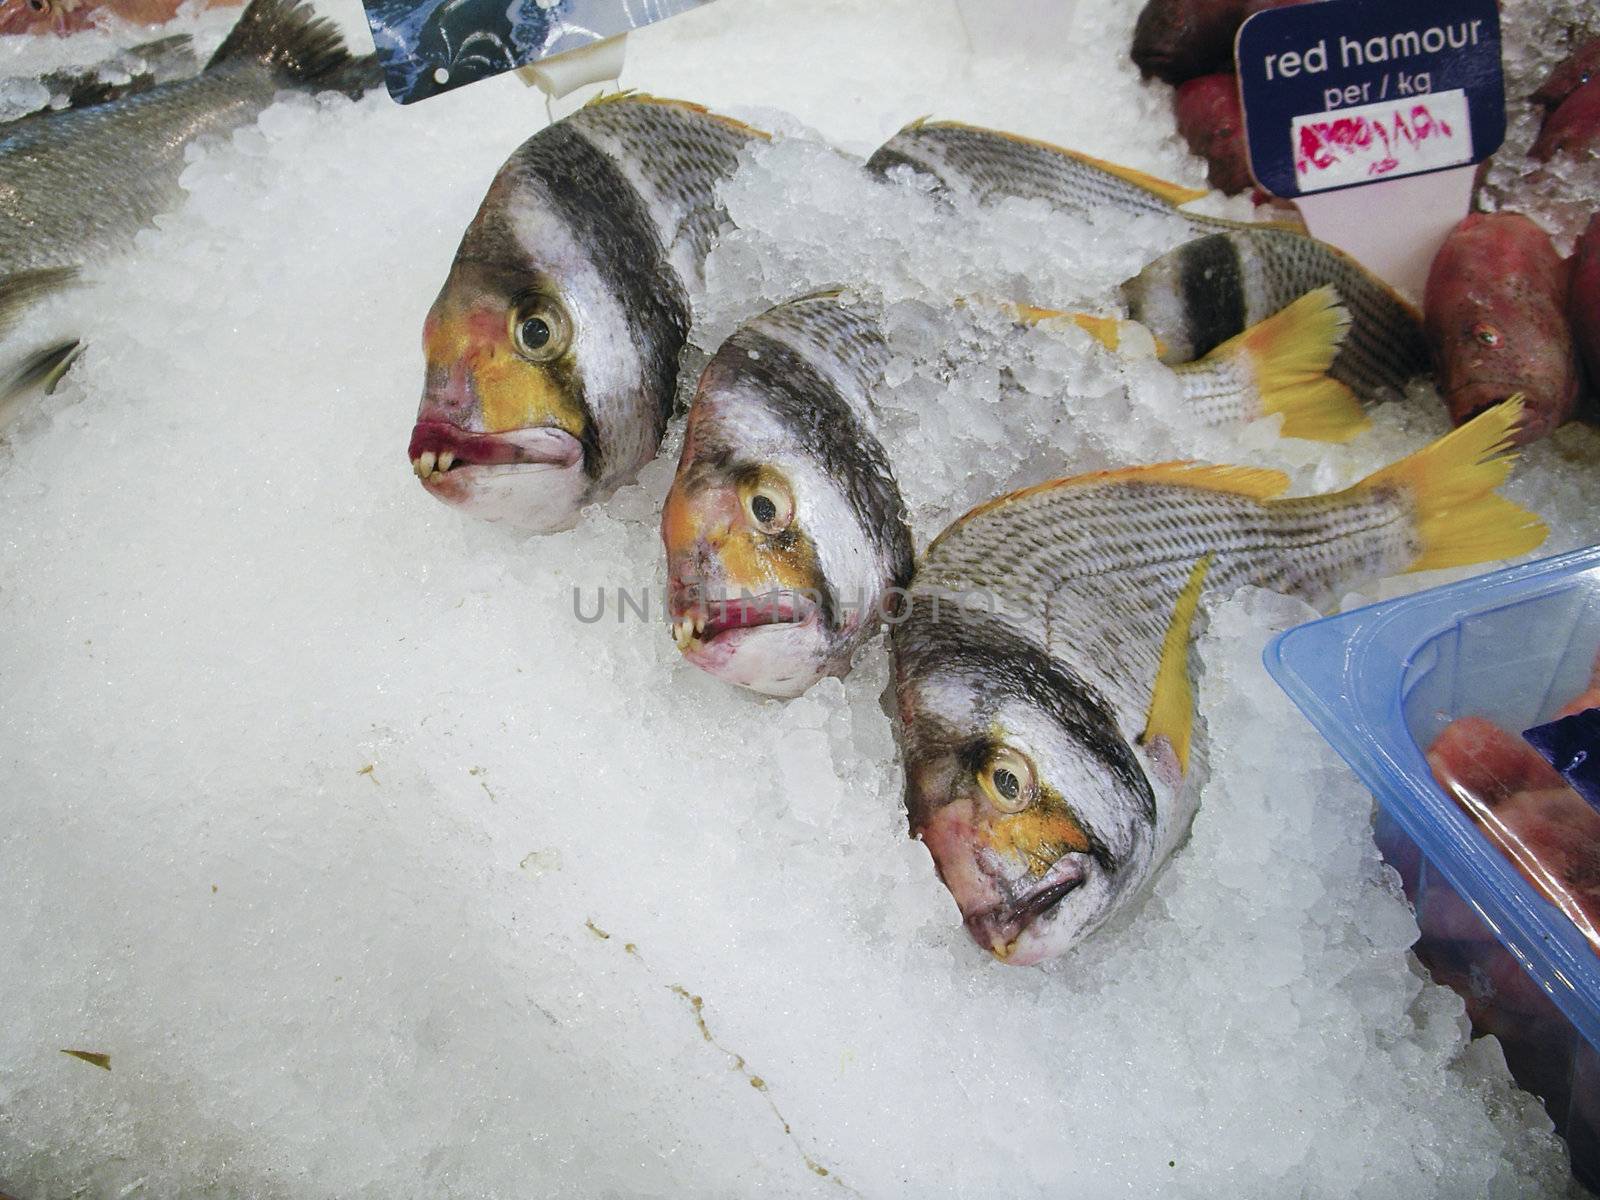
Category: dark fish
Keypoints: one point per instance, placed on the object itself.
(1211, 120)
(1573, 128)
(1179, 40)
(1583, 301)
(1577, 69)
(1496, 304)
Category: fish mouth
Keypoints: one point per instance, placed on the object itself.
(1001, 928)
(439, 448)
(724, 623)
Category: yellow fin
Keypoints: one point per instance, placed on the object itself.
(1289, 354)
(1172, 700)
(1459, 518)
(1105, 330)
(1173, 193)
(634, 96)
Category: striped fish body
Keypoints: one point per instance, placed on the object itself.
(1042, 675)
(785, 532)
(1226, 278)
(553, 347)
(1199, 295)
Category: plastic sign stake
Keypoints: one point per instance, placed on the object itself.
(1372, 116)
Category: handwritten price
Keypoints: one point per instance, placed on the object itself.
(1401, 137)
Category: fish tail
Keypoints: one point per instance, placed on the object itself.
(305, 50)
(1458, 517)
(1288, 356)
(22, 289)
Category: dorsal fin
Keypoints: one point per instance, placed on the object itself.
(1173, 193)
(1256, 483)
(633, 96)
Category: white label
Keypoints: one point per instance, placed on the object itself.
(1385, 140)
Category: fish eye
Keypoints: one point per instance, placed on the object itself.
(540, 329)
(769, 504)
(1486, 334)
(1008, 780)
(39, 6)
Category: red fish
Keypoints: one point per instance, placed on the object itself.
(70, 16)
(1577, 69)
(1179, 40)
(1574, 127)
(1583, 301)
(1211, 119)
(1496, 319)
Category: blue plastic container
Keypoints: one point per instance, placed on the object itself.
(1381, 683)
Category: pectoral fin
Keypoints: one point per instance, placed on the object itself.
(1171, 715)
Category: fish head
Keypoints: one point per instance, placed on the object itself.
(1038, 816)
(772, 580)
(1500, 351)
(536, 400)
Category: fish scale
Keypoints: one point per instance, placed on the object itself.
(1064, 550)
(674, 154)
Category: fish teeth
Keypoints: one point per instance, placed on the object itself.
(447, 459)
(424, 464)
(685, 630)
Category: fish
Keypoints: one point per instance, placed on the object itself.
(73, 16)
(786, 533)
(81, 182)
(1573, 72)
(1496, 304)
(1228, 277)
(553, 347)
(1573, 128)
(1042, 675)
(1179, 40)
(1211, 120)
(1583, 301)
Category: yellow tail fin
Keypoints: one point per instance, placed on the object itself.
(1288, 355)
(1460, 520)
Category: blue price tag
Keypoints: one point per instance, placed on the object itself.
(1351, 92)
(1572, 746)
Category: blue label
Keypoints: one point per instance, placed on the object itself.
(431, 46)
(1572, 746)
(1350, 92)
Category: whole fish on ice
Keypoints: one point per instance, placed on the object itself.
(1229, 277)
(1042, 675)
(552, 349)
(80, 183)
(785, 529)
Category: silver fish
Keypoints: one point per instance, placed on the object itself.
(78, 184)
(553, 347)
(1042, 676)
(1229, 277)
(785, 529)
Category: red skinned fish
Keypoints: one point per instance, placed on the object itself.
(1577, 69)
(1179, 40)
(1583, 301)
(71, 16)
(1211, 119)
(1495, 311)
(1573, 128)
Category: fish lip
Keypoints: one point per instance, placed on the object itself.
(724, 620)
(543, 446)
(1000, 927)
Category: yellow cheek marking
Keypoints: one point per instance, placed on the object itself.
(680, 525)
(1040, 835)
(754, 564)
(514, 393)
